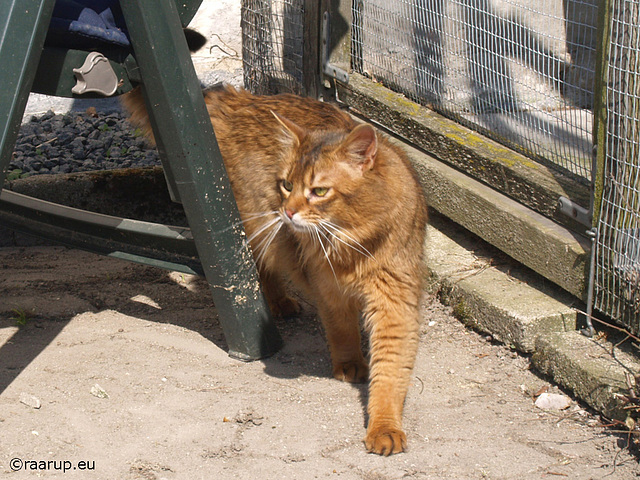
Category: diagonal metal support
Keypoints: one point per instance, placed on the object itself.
(191, 157)
(23, 28)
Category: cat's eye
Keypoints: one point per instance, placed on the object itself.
(287, 185)
(320, 191)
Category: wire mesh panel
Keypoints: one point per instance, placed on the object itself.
(272, 45)
(520, 71)
(617, 284)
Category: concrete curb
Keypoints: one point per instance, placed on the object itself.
(503, 299)
(495, 295)
(588, 368)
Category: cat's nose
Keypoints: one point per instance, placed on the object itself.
(290, 213)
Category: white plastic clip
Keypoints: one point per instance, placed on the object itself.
(95, 75)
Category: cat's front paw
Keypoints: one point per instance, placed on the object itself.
(352, 372)
(385, 440)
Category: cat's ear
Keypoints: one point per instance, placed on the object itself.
(362, 146)
(293, 130)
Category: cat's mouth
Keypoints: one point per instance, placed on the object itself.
(296, 223)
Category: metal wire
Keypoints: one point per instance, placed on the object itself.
(272, 45)
(617, 282)
(520, 71)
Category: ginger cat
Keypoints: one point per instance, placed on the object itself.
(331, 206)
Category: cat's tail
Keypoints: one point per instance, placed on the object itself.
(133, 101)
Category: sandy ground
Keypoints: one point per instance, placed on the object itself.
(121, 370)
(128, 367)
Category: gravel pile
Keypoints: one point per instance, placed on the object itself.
(78, 142)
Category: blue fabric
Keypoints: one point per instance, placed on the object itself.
(87, 24)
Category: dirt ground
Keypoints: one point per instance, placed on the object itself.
(128, 369)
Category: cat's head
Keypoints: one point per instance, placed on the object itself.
(325, 176)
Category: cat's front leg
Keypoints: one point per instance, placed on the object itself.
(341, 320)
(392, 321)
(280, 302)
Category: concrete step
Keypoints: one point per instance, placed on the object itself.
(493, 294)
(546, 247)
(593, 369)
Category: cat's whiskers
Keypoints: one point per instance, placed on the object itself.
(335, 231)
(251, 217)
(262, 229)
(263, 245)
(317, 232)
(314, 237)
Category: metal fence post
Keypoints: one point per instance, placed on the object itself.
(599, 148)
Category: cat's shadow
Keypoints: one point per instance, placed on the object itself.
(305, 353)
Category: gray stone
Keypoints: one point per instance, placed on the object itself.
(30, 400)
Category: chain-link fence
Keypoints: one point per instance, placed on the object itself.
(617, 285)
(519, 71)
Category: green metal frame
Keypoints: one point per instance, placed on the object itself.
(166, 246)
(189, 154)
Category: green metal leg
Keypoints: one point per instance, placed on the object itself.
(191, 156)
(23, 25)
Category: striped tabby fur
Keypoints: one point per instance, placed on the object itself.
(332, 207)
